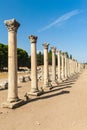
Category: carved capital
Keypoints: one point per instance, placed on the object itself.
(59, 52)
(12, 25)
(45, 45)
(33, 39)
(65, 55)
(62, 54)
(53, 49)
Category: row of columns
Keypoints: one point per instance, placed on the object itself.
(66, 66)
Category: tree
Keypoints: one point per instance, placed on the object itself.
(67, 54)
(39, 58)
(22, 55)
(50, 57)
(23, 58)
(3, 56)
(70, 56)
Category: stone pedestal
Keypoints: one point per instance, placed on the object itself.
(59, 66)
(54, 83)
(12, 26)
(34, 86)
(46, 70)
(13, 105)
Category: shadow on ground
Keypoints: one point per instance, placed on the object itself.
(56, 91)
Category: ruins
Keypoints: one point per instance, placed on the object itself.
(66, 67)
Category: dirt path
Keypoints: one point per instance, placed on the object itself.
(64, 108)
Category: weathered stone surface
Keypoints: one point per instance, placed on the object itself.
(27, 78)
(53, 66)
(12, 105)
(12, 26)
(4, 85)
(21, 79)
(34, 85)
(46, 70)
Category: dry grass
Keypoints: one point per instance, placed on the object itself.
(5, 74)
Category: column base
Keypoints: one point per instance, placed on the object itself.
(64, 79)
(13, 99)
(54, 83)
(37, 93)
(60, 81)
(45, 88)
(12, 105)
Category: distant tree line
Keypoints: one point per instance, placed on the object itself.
(22, 56)
(24, 60)
(3, 56)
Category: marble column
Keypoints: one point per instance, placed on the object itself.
(59, 66)
(46, 70)
(76, 65)
(71, 67)
(12, 26)
(68, 66)
(62, 69)
(54, 83)
(34, 85)
(66, 69)
(12, 99)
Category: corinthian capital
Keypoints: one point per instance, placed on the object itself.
(33, 39)
(65, 55)
(59, 52)
(45, 45)
(53, 49)
(12, 25)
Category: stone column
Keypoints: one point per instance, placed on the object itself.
(34, 86)
(66, 70)
(71, 72)
(76, 65)
(59, 66)
(68, 66)
(12, 99)
(54, 83)
(12, 26)
(46, 70)
(62, 73)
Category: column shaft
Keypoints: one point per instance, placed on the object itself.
(66, 71)
(12, 26)
(46, 73)
(46, 70)
(12, 67)
(53, 66)
(63, 74)
(34, 87)
(59, 66)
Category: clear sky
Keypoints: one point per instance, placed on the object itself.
(61, 23)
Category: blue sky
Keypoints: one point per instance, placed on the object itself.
(61, 23)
